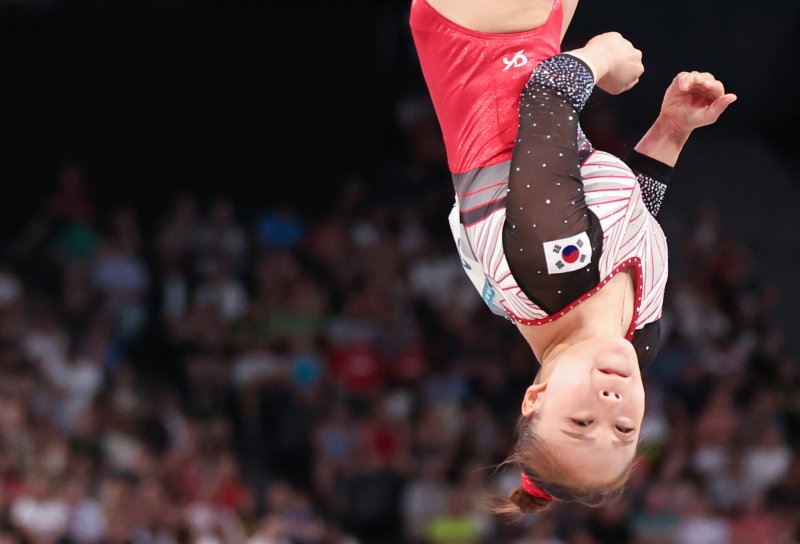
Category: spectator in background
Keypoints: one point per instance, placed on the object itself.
(220, 236)
(40, 512)
(121, 278)
(699, 523)
(455, 525)
(767, 461)
(426, 497)
(73, 202)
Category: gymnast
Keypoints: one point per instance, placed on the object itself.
(556, 236)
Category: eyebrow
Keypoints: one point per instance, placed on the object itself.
(585, 438)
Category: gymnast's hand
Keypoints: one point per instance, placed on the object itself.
(616, 63)
(694, 99)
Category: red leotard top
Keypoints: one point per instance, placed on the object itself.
(475, 80)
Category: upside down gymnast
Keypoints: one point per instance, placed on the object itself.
(560, 238)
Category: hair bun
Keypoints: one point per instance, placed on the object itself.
(526, 503)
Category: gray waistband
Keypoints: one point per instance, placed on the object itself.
(482, 191)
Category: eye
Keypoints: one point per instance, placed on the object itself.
(582, 422)
(624, 430)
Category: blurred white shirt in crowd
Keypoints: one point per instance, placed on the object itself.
(703, 530)
(44, 518)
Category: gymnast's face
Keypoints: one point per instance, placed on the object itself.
(589, 406)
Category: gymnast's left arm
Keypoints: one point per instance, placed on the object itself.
(693, 100)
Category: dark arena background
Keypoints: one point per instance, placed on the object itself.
(231, 312)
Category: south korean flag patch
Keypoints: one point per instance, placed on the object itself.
(568, 254)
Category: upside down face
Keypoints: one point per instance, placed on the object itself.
(588, 408)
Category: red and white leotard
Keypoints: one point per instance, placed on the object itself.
(475, 81)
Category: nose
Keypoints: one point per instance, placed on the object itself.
(610, 397)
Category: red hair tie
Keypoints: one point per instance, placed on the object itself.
(534, 490)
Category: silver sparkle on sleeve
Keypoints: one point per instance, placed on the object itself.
(570, 77)
(653, 192)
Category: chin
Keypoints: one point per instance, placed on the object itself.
(617, 356)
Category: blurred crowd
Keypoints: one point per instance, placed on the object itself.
(211, 376)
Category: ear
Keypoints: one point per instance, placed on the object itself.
(531, 401)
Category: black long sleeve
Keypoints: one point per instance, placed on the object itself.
(653, 177)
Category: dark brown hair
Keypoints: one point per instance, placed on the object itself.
(542, 465)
